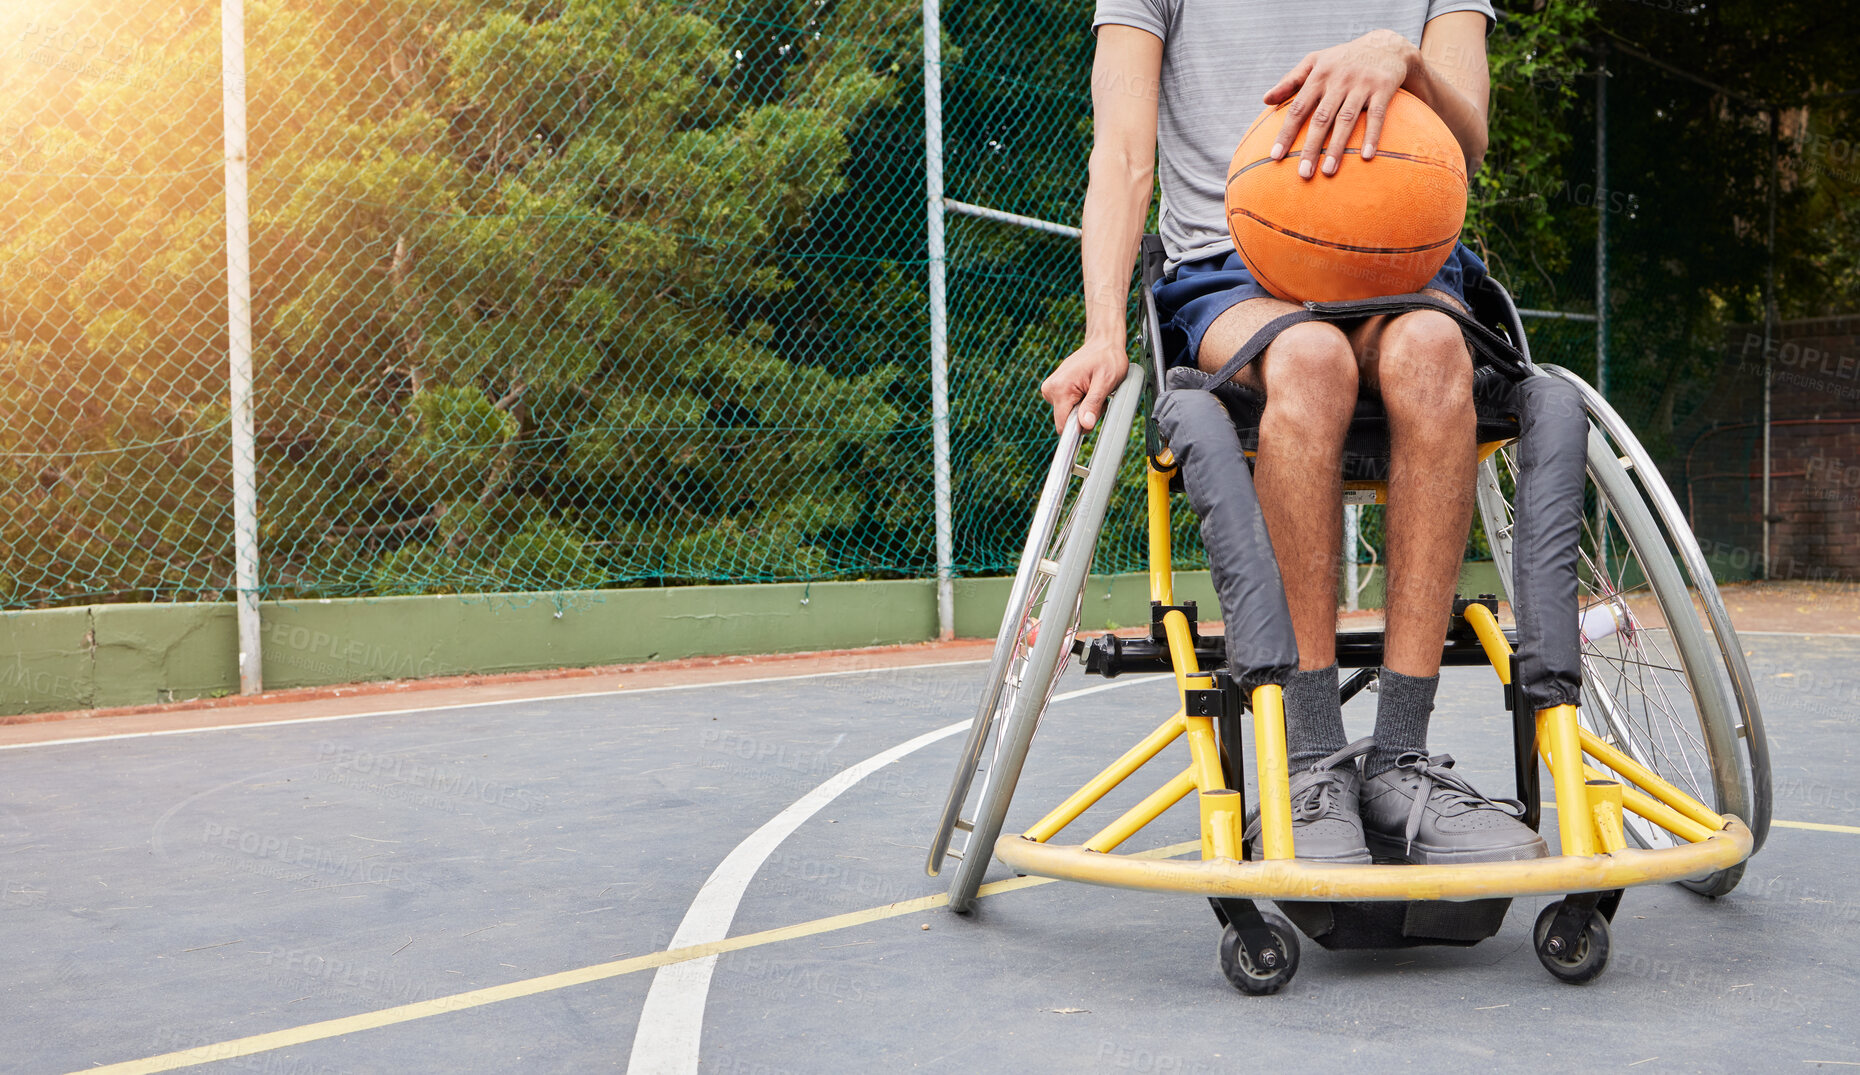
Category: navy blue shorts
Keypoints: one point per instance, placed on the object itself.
(1201, 291)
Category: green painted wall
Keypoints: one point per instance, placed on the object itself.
(1475, 578)
(1111, 601)
(116, 655)
(46, 660)
(112, 655)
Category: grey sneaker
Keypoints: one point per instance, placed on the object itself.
(1421, 811)
(1326, 824)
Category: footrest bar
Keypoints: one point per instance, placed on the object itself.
(1295, 880)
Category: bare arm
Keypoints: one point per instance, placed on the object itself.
(1455, 80)
(1333, 87)
(1125, 73)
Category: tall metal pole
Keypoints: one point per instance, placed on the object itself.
(939, 328)
(1352, 522)
(1601, 271)
(1769, 335)
(239, 345)
(1601, 226)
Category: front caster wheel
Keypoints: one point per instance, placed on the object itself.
(1577, 964)
(1264, 972)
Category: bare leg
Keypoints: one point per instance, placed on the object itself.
(1309, 375)
(1420, 365)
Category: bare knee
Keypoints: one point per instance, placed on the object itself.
(1424, 366)
(1310, 376)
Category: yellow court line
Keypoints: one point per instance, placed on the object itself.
(1778, 823)
(332, 1028)
(1816, 826)
(529, 987)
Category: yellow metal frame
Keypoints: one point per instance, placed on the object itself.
(1589, 802)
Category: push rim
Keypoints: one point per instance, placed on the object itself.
(1011, 725)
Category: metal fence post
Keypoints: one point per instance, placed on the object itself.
(239, 345)
(1601, 269)
(1352, 523)
(1601, 227)
(1769, 337)
(939, 328)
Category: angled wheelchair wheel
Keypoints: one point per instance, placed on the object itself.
(1654, 685)
(1755, 757)
(1032, 645)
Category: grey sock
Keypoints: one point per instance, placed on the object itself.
(1313, 717)
(1403, 704)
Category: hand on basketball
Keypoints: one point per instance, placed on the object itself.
(1332, 88)
(1088, 374)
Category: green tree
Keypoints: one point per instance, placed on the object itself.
(1689, 256)
(525, 281)
(112, 429)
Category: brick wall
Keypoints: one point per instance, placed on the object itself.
(1814, 456)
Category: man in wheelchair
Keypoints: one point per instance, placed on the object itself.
(1179, 79)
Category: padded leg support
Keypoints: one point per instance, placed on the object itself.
(1260, 645)
(1547, 538)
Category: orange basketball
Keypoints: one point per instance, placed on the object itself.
(1382, 226)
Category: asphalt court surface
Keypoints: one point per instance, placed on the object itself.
(174, 892)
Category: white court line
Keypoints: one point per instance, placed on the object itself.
(671, 1023)
(478, 705)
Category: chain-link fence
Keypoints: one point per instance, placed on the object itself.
(544, 296)
(113, 451)
(573, 294)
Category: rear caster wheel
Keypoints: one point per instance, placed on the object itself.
(1269, 970)
(1580, 963)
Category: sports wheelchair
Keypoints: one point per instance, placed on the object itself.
(1623, 674)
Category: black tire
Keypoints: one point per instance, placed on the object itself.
(1255, 980)
(1590, 957)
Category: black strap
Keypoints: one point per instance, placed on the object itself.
(1257, 345)
(1494, 349)
(1485, 343)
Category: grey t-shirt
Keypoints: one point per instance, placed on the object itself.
(1219, 58)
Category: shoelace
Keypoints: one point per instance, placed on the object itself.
(1318, 798)
(1437, 777)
